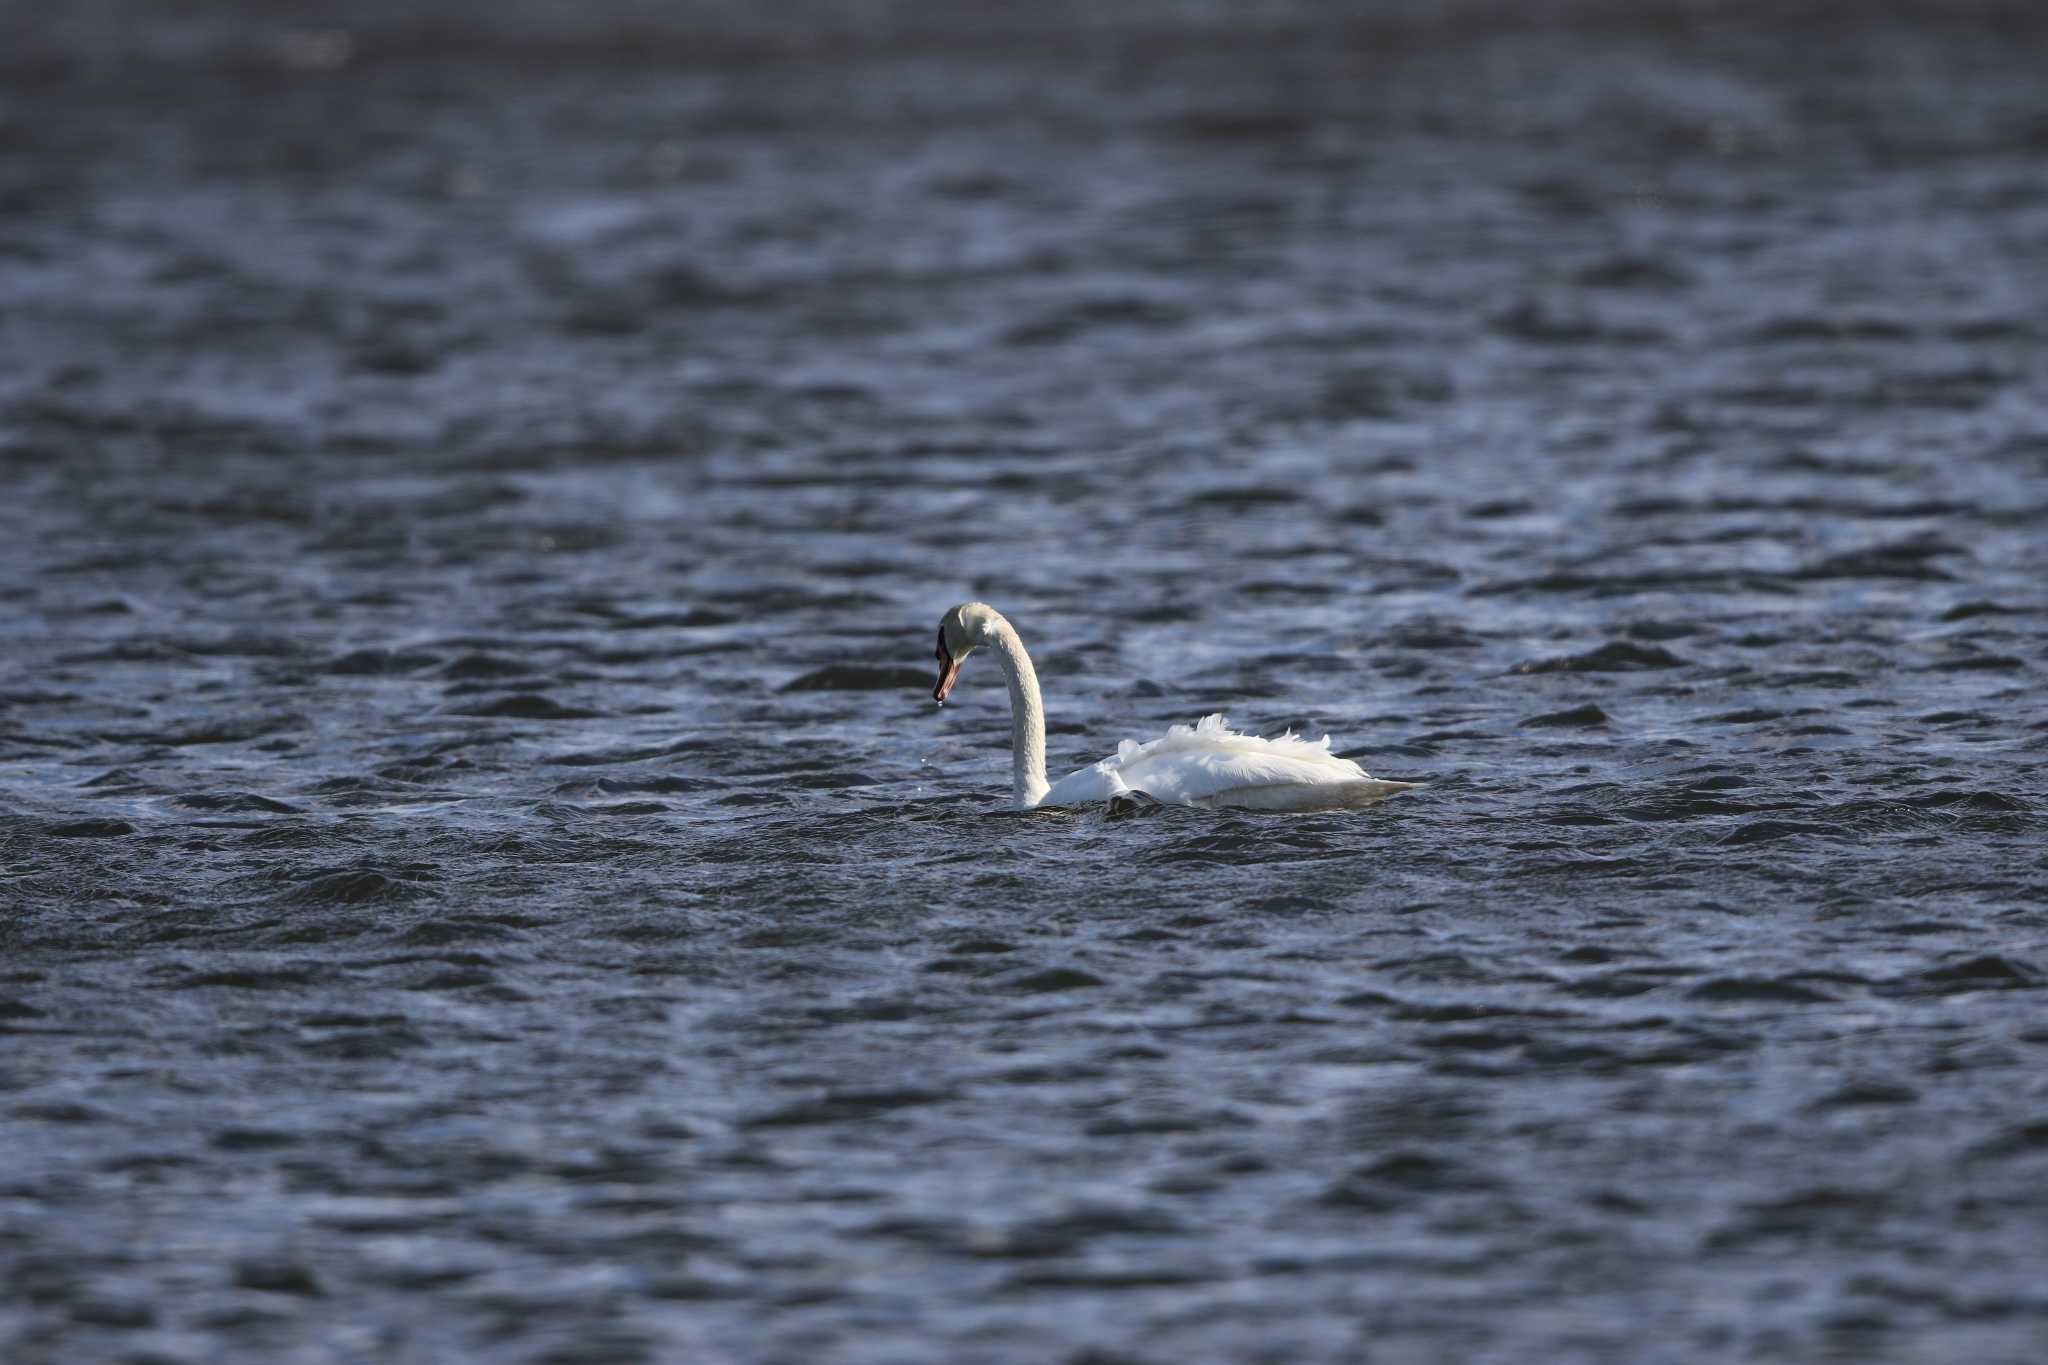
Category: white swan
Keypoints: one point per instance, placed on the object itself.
(1207, 764)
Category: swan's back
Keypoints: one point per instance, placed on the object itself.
(1209, 764)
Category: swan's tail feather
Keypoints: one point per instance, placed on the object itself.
(1305, 796)
(1368, 790)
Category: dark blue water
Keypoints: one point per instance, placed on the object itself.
(482, 877)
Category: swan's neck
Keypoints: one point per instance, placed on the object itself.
(1027, 718)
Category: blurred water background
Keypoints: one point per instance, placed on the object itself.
(482, 877)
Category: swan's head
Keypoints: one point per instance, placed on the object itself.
(960, 631)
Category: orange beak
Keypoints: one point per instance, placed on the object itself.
(949, 670)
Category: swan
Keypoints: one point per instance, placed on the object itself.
(1206, 764)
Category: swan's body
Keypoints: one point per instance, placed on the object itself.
(1210, 764)
(1207, 764)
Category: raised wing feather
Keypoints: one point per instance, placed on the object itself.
(1210, 764)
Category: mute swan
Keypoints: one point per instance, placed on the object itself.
(1207, 764)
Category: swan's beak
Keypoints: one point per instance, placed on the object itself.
(949, 673)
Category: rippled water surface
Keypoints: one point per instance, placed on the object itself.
(484, 877)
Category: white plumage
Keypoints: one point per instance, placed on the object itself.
(1206, 764)
(1210, 764)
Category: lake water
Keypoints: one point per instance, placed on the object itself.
(483, 874)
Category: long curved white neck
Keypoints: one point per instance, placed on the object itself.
(1027, 718)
